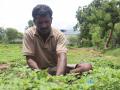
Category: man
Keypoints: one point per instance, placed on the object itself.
(43, 45)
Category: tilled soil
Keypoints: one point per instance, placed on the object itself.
(4, 66)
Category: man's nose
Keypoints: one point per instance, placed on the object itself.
(43, 25)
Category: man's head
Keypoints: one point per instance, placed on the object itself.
(42, 17)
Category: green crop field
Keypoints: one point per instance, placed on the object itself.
(105, 74)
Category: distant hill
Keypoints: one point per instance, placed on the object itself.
(69, 32)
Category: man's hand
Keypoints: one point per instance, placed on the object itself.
(82, 67)
(61, 63)
(31, 62)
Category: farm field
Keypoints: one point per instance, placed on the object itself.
(17, 76)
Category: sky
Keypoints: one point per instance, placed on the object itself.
(16, 13)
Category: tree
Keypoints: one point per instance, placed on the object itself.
(30, 24)
(3, 36)
(19, 35)
(1, 33)
(11, 34)
(98, 20)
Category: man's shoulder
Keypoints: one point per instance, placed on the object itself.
(57, 32)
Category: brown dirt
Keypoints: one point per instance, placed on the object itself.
(4, 66)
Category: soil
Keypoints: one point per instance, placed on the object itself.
(4, 66)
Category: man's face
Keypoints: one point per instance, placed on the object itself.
(43, 24)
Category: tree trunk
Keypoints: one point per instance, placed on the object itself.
(108, 40)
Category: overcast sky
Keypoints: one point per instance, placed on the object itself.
(16, 13)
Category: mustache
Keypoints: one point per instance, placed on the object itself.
(43, 28)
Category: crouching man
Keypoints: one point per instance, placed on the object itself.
(45, 46)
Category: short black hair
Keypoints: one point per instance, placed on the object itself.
(41, 10)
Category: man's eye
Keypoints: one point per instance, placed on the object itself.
(43, 22)
(39, 22)
(46, 21)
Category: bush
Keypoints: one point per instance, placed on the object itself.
(84, 43)
(73, 40)
(17, 41)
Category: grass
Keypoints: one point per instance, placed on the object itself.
(105, 75)
(77, 55)
(10, 53)
(13, 53)
(113, 55)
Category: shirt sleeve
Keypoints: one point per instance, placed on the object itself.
(28, 45)
(61, 44)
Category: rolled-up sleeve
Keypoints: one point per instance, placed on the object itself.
(28, 45)
(61, 44)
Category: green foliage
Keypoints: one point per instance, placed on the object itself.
(1, 33)
(73, 40)
(10, 35)
(10, 53)
(96, 38)
(105, 74)
(19, 35)
(84, 42)
(3, 36)
(98, 23)
(115, 55)
(117, 30)
(30, 24)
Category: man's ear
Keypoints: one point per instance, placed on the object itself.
(34, 22)
(51, 19)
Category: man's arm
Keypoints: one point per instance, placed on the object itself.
(61, 63)
(31, 62)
